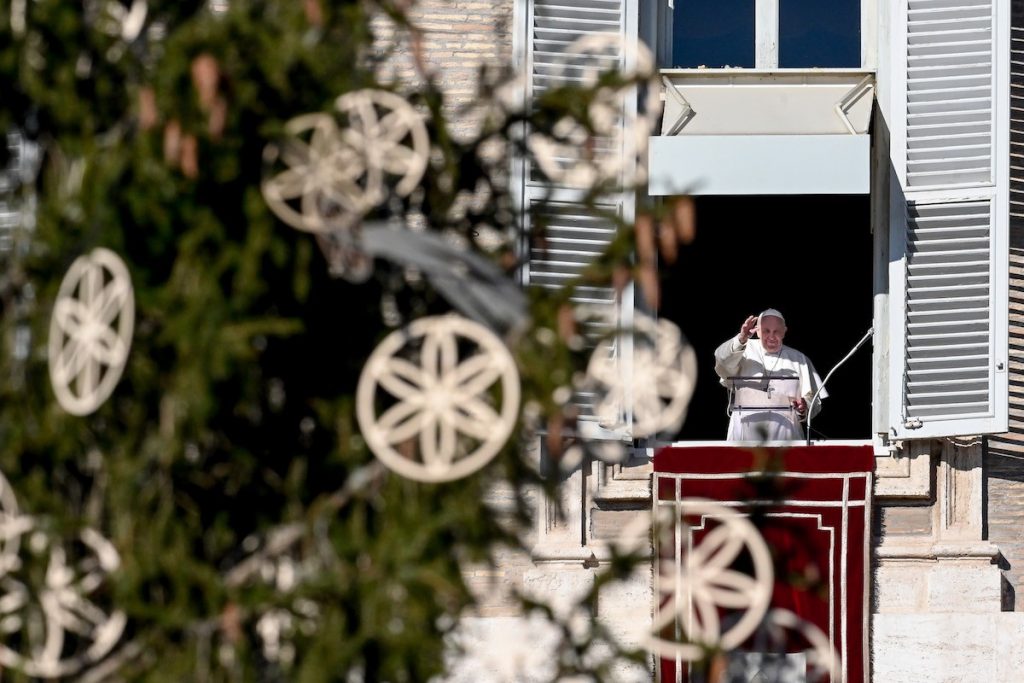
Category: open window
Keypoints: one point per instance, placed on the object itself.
(808, 256)
(936, 187)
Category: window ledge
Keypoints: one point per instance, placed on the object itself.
(902, 476)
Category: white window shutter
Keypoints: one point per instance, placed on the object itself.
(553, 26)
(951, 58)
(575, 235)
(949, 221)
(572, 240)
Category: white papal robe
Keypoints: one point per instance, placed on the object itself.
(733, 359)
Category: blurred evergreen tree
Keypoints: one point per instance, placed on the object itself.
(226, 468)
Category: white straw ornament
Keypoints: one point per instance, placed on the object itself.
(823, 662)
(91, 331)
(306, 194)
(52, 623)
(333, 175)
(449, 408)
(653, 384)
(695, 579)
(380, 123)
(616, 149)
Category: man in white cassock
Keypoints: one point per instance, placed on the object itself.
(770, 384)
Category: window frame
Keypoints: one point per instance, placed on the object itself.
(766, 32)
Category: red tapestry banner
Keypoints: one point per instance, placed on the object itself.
(811, 506)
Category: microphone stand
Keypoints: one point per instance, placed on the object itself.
(810, 406)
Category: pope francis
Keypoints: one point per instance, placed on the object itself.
(770, 384)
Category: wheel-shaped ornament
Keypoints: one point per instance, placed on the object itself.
(438, 400)
(308, 194)
(651, 392)
(713, 577)
(614, 147)
(91, 331)
(334, 174)
(55, 615)
(387, 136)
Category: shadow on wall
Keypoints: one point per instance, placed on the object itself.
(1006, 451)
(1004, 457)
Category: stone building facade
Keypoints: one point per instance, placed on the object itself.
(947, 598)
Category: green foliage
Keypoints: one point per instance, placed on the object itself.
(234, 418)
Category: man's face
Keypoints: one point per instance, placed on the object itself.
(771, 331)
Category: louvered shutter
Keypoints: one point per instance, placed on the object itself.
(950, 91)
(574, 234)
(572, 239)
(949, 221)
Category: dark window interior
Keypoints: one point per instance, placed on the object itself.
(713, 33)
(809, 257)
(813, 33)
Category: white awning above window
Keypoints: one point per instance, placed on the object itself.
(794, 131)
(760, 164)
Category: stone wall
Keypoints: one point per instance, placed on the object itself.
(459, 36)
(1004, 461)
(501, 642)
(939, 595)
(948, 540)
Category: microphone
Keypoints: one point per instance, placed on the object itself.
(810, 406)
